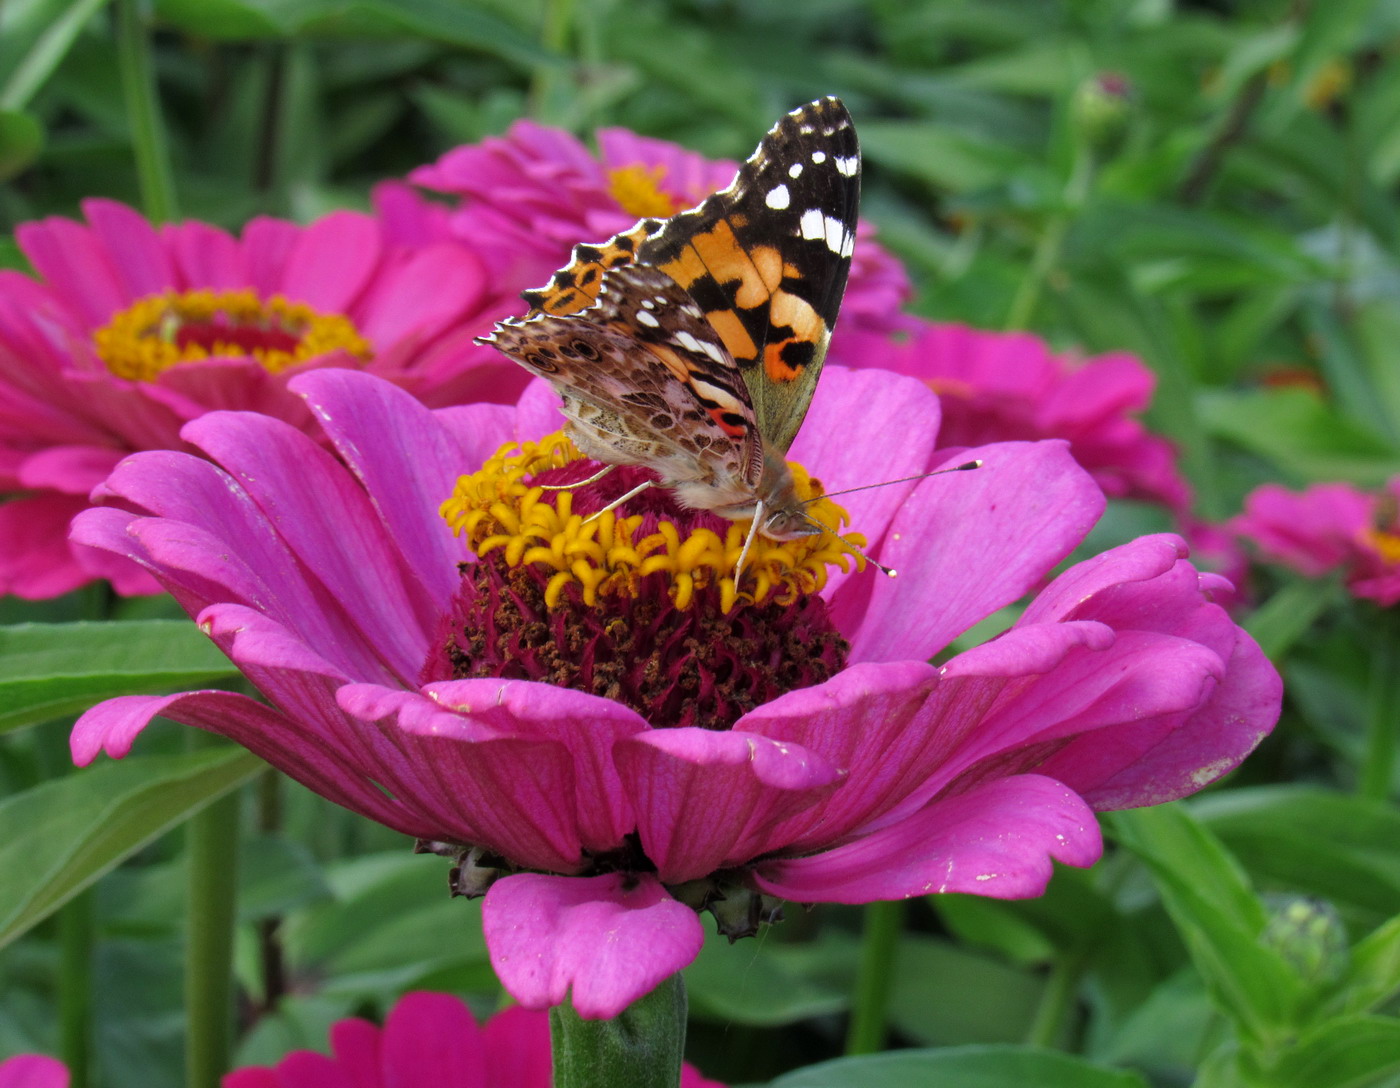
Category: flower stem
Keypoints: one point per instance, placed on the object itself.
(1056, 1001)
(77, 930)
(640, 1048)
(212, 851)
(1052, 238)
(1382, 712)
(149, 145)
(884, 922)
(46, 54)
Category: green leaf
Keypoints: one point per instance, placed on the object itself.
(1374, 975)
(941, 156)
(1286, 616)
(992, 1003)
(769, 983)
(960, 1067)
(1306, 438)
(1316, 841)
(59, 837)
(49, 670)
(21, 140)
(1351, 1053)
(1219, 916)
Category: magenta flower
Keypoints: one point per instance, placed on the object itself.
(33, 1071)
(605, 748)
(997, 386)
(428, 1041)
(1330, 528)
(129, 331)
(530, 196)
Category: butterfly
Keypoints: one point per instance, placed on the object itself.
(691, 346)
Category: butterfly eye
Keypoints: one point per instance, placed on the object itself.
(585, 350)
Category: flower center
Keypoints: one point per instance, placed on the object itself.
(1386, 545)
(637, 189)
(160, 331)
(640, 606)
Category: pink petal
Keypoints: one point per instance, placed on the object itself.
(969, 543)
(331, 261)
(207, 258)
(845, 442)
(517, 1049)
(996, 841)
(357, 1046)
(36, 562)
(405, 459)
(703, 797)
(74, 470)
(419, 298)
(432, 1039)
(33, 1071)
(601, 942)
(142, 264)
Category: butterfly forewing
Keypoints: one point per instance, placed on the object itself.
(767, 258)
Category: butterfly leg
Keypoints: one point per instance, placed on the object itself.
(619, 501)
(579, 483)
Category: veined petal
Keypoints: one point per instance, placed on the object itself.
(705, 797)
(601, 942)
(997, 841)
(962, 549)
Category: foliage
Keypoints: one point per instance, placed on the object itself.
(1208, 185)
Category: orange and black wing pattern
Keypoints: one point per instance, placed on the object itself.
(766, 260)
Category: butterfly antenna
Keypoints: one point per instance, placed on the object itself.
(888, 572)
(581, 483)
(964, 467)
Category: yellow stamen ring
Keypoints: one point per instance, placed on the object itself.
(158, 332)
(496, 510)
(637, 190)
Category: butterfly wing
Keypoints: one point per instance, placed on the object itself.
(645, 380)
(766, 260)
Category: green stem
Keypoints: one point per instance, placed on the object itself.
(77, 940)
(212, 852)
(1052, 238)
(1383, 712)
(149, 145)
(1056, 1001)
(884, 922)
(641, 1047)
(547, 87)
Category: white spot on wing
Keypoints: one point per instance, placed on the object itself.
(847, 167)
(685, 340)
(778, 197)
(819, 157)
(644, 318)
(795, 170)
(812, 224)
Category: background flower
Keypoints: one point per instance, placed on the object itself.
(527, 198)
(428, 1040)
(998, 386)
(128, 331)
(33, 1071)
(1121, 685)
(1330, 528)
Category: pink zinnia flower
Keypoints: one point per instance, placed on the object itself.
(1330, 528)
(33, 1071)
(428, 1040)
(130, 331)
(798, 746)
(997, 386)
(527, 198)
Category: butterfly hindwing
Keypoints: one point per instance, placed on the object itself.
(645, 380)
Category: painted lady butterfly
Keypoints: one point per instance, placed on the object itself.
(692, 345)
